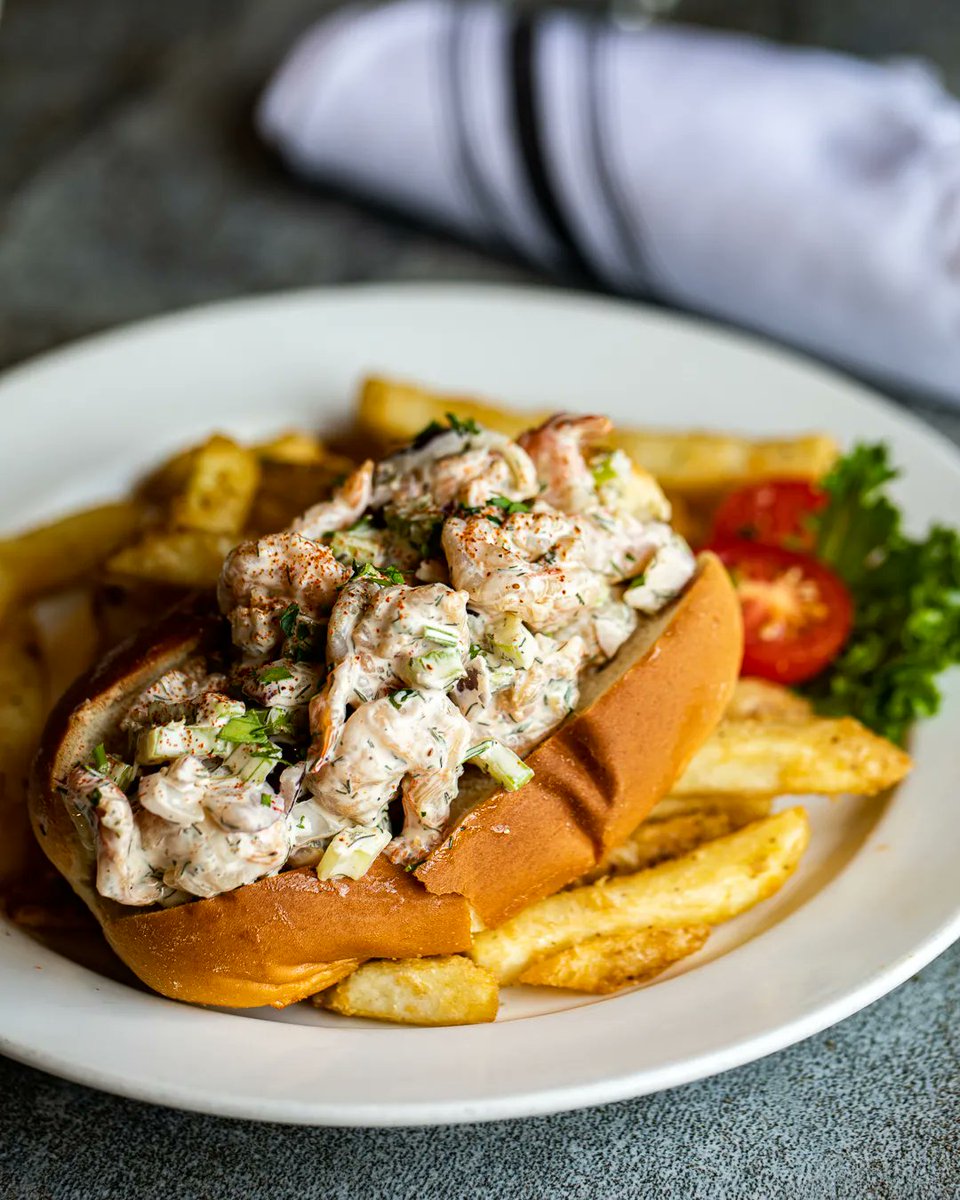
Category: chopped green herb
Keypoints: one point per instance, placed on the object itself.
(509, 506)
(906, 594)
(397, 699)
(465, 427)
(475, 649)
(266, 801)
(274, 674)
(288, 619)
(427, 434)
(384, 576)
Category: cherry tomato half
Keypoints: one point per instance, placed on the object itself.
(796, 612)
(774, 513)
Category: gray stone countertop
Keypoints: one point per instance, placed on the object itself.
(130, 184)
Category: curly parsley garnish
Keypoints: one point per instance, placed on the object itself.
(906, 594)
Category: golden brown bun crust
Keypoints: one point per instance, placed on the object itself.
(284, 938)
(273, 942)
(600, 774)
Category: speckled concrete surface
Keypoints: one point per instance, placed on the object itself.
(131, 185)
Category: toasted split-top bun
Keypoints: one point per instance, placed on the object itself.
(639, 721)
(273, 942)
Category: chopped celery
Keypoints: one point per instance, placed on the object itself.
(437, 669)
(252, 763)
(164, 742)
(351, 852)
(444, 637)
(122, 774)
(356, 545)
(500, 762)
(216, 711)
(511, 639)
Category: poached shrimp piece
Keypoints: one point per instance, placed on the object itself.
(524, 711)
(556, 448)
(347, 505)
(669, 570)
(185, 792)
(380, 638)
(174, 696)
(411, 740)
(456, 467)
(124, 873)
(516, 566)
(261, 578)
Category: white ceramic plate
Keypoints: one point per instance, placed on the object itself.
(876, 898)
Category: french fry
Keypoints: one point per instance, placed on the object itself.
(696, 463)
(22, 713)
(682, 463)
(760, 700)
(294, 446)
(740, 810)
(393, 411)
(416, 991)
(188, 558)
(67, 636)
(288, 489)
(711, 884)
(611, 961)
(772, 758)
(219, 488)
(64, 553)
(654, 840)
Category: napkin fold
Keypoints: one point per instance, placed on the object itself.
(805, 194)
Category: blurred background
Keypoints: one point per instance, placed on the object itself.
(133, 182)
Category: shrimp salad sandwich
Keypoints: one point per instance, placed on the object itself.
(433, 699)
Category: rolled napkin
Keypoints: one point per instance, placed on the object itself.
(802, 193)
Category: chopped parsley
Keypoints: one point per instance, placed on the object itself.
(465, 427)
(509, 506)
(398, 699)
(275, 674)
(288, 619)
(384, 576)
(475, 649)
(266, 801)
(906, 594)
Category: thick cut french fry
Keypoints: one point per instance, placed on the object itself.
(740, 810)
(682, 463)
(654, 841)
(416, 991)
(187, 558)
(292, 446)
(288, 489)
(64, 553)
(67, 636)
(696, 463)
(219, 488)
(611, 961)
(760, 700)
(22, 713)
(711, 884)
(393, 411)
(772, 758)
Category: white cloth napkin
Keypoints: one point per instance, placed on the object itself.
(806, 194)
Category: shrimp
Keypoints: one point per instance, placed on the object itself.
(124, 872)
(667, 573)
(456, 467)
(261, 578)
(377, 640)
(186, 792)
(416, 743)
(603, 629)
(516, 567)
(345, 508)
(174, 696)
(204, 859)
(556, 448)
(533, 703)
(283, 683)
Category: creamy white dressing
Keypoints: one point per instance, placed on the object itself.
(437, 610)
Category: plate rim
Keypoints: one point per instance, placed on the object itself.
(574, 1095)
